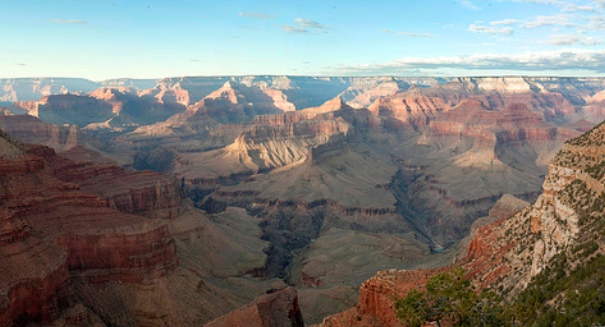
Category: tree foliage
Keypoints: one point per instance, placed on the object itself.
(449, 297)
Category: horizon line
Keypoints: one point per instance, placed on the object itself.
(303, 75)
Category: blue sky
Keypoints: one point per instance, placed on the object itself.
(153, 39)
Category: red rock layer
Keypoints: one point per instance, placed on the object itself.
(122, 254)
(34, 281)
(32, 130)
(552, 105)
(410, 108)
(276, 309)
(376, 299)
(282, 119)
(474, 119)
(144, 192)
(50, 231)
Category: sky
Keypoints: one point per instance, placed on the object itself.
(101, 39)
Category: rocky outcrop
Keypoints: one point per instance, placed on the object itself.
(278, 308)
(286, 140)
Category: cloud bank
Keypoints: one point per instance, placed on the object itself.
(591, 61)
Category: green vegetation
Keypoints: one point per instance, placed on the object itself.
(575, 154)
(559, 298)
(588, 204)
(596, 171)
(556, 297)
(449, 297)
(590, 138)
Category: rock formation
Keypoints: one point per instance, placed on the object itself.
(279, 308)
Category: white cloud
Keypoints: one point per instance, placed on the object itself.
(596, 23)
(559, 19)
(484, 44)
(504, 22)
(490, 30)
(294, 29)
(569, 39)
(574, 8)
(468, 4)
(592, 61)
(310, 23)
(69, 21)
(409, 34)
(305, 26)
(258, 15)
(543, 2)
(563, 39)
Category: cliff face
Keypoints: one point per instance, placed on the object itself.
(32, 130)
(414, 110)
(30, 289)
(145, 193)
(70, 234)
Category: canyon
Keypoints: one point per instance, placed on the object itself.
(179, 200)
